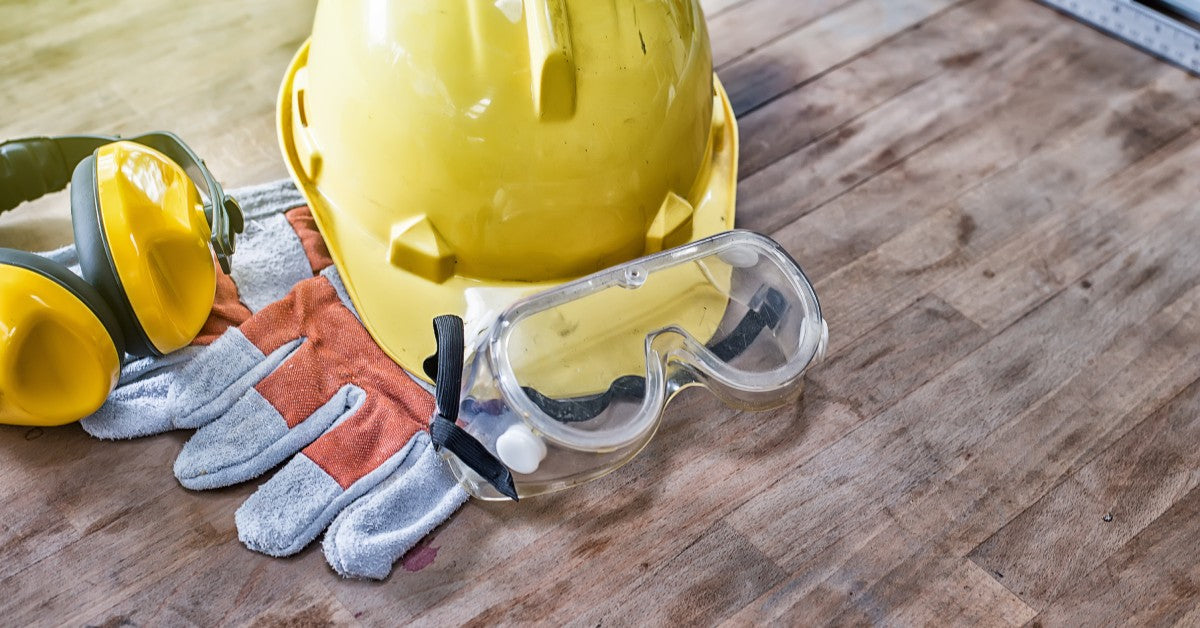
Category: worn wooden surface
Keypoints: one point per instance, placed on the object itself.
(1001, 211)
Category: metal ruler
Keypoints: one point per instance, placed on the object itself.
(1169, 29)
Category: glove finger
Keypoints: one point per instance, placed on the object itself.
(140, 404)
(251, 439)
(184, 389)
(294, 506)
(296, 393)
(219, 375)
(252, 435)
(376, 530)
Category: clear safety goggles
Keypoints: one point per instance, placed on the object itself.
(571, 383)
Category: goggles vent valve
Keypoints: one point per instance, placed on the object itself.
(520, 449)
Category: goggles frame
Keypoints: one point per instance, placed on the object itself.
(685, 362)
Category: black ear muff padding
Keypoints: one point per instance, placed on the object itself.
(72, 283)
(30, 169)
(96, 261)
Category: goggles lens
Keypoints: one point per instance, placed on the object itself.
(571, 383)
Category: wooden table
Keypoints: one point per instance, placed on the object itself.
(1001, 211)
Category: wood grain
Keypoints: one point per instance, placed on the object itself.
(1000, 211)
(1085, 519)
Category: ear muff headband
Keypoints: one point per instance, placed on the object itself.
(32, 167)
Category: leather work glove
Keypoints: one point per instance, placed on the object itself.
(303, 375)
(301, 379)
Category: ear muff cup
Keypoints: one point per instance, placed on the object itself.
(95, 259)
(74, 284)
(60, 363)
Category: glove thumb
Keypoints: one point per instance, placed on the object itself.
(141, 404)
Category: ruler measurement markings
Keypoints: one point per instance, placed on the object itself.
(1161, 27)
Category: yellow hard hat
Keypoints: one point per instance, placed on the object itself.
(445, 146)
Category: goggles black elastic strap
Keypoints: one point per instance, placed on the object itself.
(767, 307)
(584, 408)
(766, 310)
(446, 369)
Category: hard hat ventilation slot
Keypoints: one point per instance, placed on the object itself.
(718, 123)
(306, 150)
(301, 114)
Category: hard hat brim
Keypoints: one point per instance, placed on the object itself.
(397, 307)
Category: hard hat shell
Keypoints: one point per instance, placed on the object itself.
(445, 146)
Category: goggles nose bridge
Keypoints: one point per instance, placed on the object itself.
(673, 358)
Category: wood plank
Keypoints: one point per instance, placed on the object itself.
(1001, 476)
(1153, 580)
(987, 217)
(130, 539)
(900, 454)
(960, 46)
(954, 592)
(900, 171)
(720, 572)
(1056, 543)
(36, 527)
(308, 604)
(215, 87)
(1022, 462)
(736, 33)
(999, 288)
(835, 38)
(1015, 466)
(227, 585)
(882, 367)
(714, 8)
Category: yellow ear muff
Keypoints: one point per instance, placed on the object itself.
(58, 361)
(157, 239)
